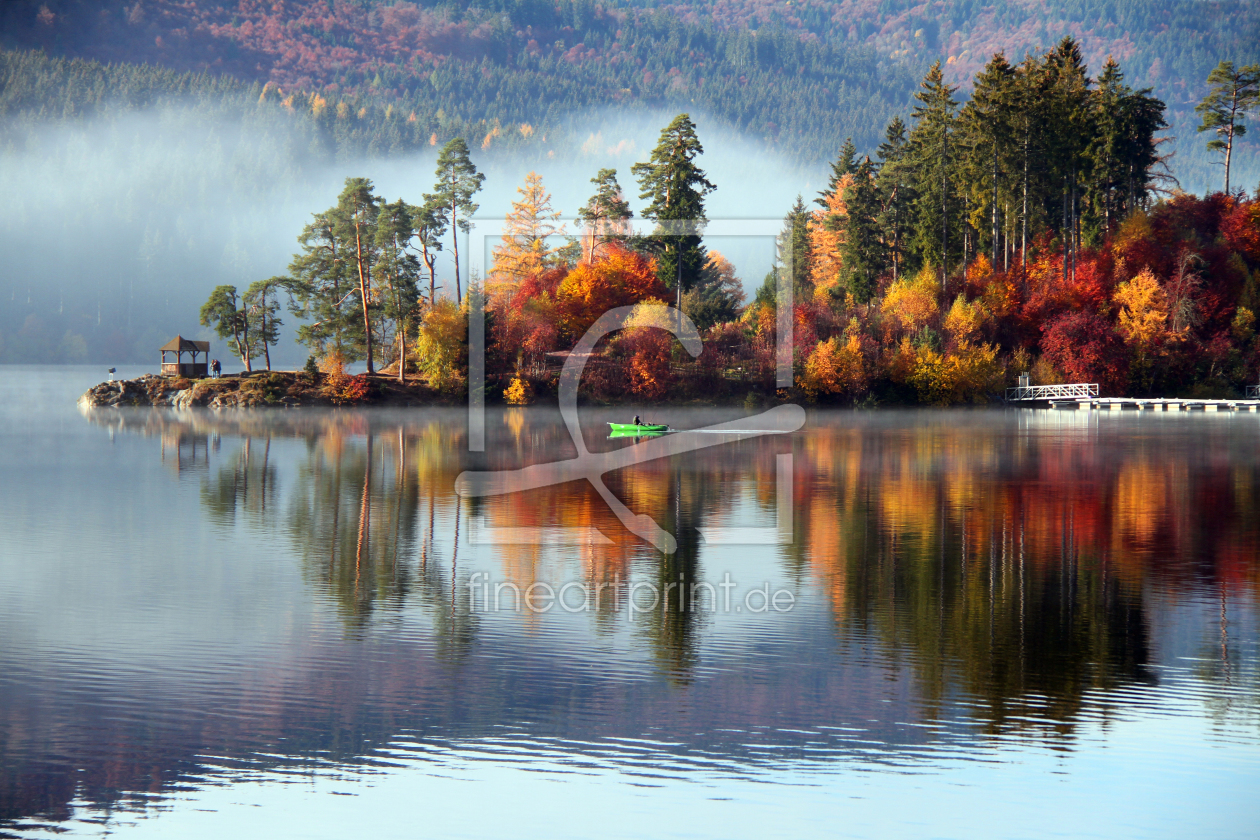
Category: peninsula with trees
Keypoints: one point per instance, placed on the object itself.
(1035, 227)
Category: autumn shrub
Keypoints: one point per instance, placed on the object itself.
(1143, 313)
(1042, 372)
(648, 369)
(442, 345)
(964, 320)
(519, 392)
(342, 389)
(968, 374)
(332, 362)
(620, 277)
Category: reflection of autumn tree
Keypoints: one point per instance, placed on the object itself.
(1014, 567)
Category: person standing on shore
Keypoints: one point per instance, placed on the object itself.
(216, 369)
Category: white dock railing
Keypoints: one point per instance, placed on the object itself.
(1052, 392)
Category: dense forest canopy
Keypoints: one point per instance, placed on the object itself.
(801, 75)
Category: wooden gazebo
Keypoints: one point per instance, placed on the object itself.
(179, 346)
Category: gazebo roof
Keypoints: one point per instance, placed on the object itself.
(179, 344)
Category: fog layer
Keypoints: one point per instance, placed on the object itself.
(115, 231)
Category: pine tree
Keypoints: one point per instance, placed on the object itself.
(675, 187)
(845, 164)
(321, 291)
(261, 305)
(931, 157)
(895, 192)
(606, 214)
(1234, 92)
(1069, 130)
(1107, 151)
(230, 320)
(357, 210)
(793, 249)
(397, 273)
(428, 224)
(457, 182)
(863, 250)
(987, 136)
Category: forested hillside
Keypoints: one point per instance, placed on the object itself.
(801, 75)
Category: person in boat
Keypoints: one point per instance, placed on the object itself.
(637, 422)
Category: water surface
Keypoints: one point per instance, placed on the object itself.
(1004, 623)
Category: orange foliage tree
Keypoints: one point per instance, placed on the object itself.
(620, 277)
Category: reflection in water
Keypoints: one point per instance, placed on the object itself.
(1009, 572)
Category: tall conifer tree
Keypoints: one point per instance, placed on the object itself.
(895, 191)
(932, 159)
(605, 215)
(1234, 92)
(457, 182)
(675, 187)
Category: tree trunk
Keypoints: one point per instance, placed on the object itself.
(944, 207)
(363, 294)
(993, 248)
(402, 351)
(1023, 243)
(266, 346)
(1065, 231)
(243, 344)
(1229, 149)
(455, 239)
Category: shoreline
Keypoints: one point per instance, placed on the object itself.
(264, 389)
(299, 389)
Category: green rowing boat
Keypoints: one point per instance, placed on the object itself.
(631, 428)
(635, 434)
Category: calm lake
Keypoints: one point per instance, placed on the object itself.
(982, 623)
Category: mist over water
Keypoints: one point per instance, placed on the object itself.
(116, 230)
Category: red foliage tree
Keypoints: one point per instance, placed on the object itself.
(1084, 348)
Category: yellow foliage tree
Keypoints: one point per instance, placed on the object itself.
(964, 320)
(1143, 309)
(911, 302)
(836, 368)
(523, 251)
(966, 375)
(652, 312)
(520, 392)
(442, 346)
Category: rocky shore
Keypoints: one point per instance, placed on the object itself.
(263, 389)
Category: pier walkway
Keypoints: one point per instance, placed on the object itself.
(1082, 396)
(1138, 404)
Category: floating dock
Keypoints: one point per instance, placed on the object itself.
(1135, 404)
(1081, 396)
